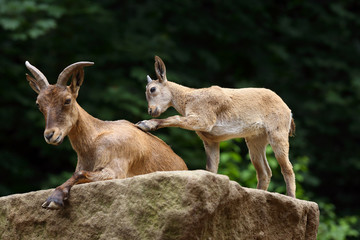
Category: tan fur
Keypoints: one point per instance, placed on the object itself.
(217, 114)
(105, 149)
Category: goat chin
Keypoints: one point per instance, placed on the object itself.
(156, 114)
(55, 142)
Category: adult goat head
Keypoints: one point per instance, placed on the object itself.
(58, 102)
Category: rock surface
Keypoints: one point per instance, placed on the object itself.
(162, 205)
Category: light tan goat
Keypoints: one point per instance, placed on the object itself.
(217, 114)
(105, 149)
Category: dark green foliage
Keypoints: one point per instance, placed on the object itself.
(306, 51)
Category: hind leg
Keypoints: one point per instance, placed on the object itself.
(279, 142)
(257, 150)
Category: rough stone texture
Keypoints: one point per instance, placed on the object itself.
(162, 205)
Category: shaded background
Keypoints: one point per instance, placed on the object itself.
(305, 51)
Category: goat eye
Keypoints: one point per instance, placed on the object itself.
(152, 89)
(67, 101)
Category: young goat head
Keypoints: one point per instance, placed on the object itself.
(157, 93)
(105, 149)
(217, 114)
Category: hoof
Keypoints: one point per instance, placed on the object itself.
(56, 200)
(52, 205)
(144, 126)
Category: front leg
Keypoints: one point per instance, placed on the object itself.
(61, 193)
(190, 122)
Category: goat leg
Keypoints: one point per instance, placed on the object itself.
(190, 122)
(61, 193)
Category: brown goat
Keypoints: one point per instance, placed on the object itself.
(105, 149)
(218, 114)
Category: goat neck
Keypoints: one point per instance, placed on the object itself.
(84, 131)
(179, 96)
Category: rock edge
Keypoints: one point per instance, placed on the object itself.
(162, 205)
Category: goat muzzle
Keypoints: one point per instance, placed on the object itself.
(154, 111)
(53, 136)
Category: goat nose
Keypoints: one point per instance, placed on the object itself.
(149, 111)
(49, 135)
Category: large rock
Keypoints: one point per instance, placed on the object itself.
(162, 205)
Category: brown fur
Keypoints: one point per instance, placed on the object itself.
(217, 114)
(105, 149)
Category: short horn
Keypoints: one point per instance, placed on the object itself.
(41, 80)
(148, 78)
(66, 73)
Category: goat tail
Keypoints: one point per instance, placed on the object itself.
(292, 128)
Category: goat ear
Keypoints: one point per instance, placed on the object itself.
(77, 80)
(160, 70)
(33, 83)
